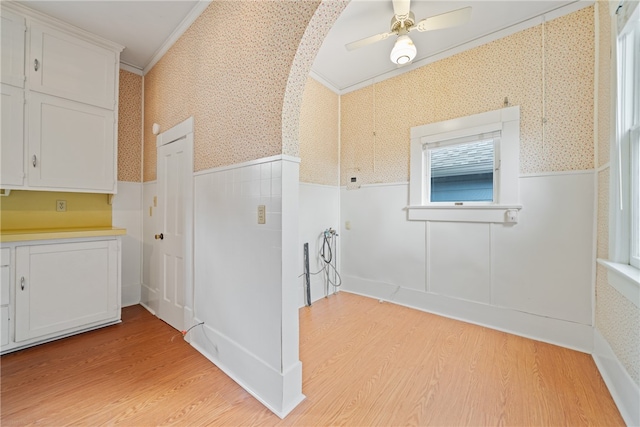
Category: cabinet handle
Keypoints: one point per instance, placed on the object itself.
(22, 283)
(34, 160)
(36, 64)
(160, 236)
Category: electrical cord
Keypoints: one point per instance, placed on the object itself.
(326, 244)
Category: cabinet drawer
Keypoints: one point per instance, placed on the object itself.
(4, 325)
(5, 284)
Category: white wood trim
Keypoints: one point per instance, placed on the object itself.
(564, 333)
(624, 391)
(180, 130)
(324, 82)
(313, 184)
(265, 383)
(280, 157)
(624, 278)
(469, 213)
(197, 10)
(556, 173)
(130, 68)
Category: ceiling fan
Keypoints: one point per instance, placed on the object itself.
(403, 22)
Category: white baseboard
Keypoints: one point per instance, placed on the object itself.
(571, 335)
(280, 392)
(625, 392)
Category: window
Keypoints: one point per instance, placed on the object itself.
(462, 171)
(466, 169)
(624, 192)
(625, 163)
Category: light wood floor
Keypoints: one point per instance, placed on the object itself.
(364, 363)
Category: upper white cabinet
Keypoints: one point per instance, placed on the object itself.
(59, 127)
(12, 134)
(12, 27)
(66, 66)
(78, 136)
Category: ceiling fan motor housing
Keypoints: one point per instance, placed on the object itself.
(402, 23)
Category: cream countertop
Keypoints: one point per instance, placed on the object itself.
(58, 233)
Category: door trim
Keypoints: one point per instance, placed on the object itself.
(177, 132)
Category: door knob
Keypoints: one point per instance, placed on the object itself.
(160, 236)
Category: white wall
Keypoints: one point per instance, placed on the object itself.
(245, 277)
(149, 293)
(126, 209)
(533, 278)
(319, 210)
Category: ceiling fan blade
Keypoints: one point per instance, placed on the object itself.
(445, 20)
(401, 7)
(367, 41)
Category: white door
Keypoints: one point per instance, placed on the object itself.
(175, 169)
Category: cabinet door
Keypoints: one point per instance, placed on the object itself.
(61, 287)
(71, 145)
(12, 29)
(65, 66)
(12, 137)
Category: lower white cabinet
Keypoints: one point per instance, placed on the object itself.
(60, 289)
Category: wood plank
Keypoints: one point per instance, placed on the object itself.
(364, 363)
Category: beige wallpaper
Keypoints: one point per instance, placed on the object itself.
(319, 25)
(233, 86)
(375, 140)
(604, 82)
(617, 318)
(319, 116)
(130, 127)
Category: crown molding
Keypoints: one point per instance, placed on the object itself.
(175, 35)
(130, 68)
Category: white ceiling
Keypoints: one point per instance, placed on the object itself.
(143, 27)
(362, 18)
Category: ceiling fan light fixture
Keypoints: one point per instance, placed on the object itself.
(403, 50)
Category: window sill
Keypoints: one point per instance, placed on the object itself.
(465, 213)
(624, 278)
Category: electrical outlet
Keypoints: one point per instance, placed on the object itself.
(61, 205)
(262, 216)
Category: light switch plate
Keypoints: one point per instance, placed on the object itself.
(262, 215)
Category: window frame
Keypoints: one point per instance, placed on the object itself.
(505, 205)
(625, 147)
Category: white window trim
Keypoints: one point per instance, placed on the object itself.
(623, 276)
(506, 204)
